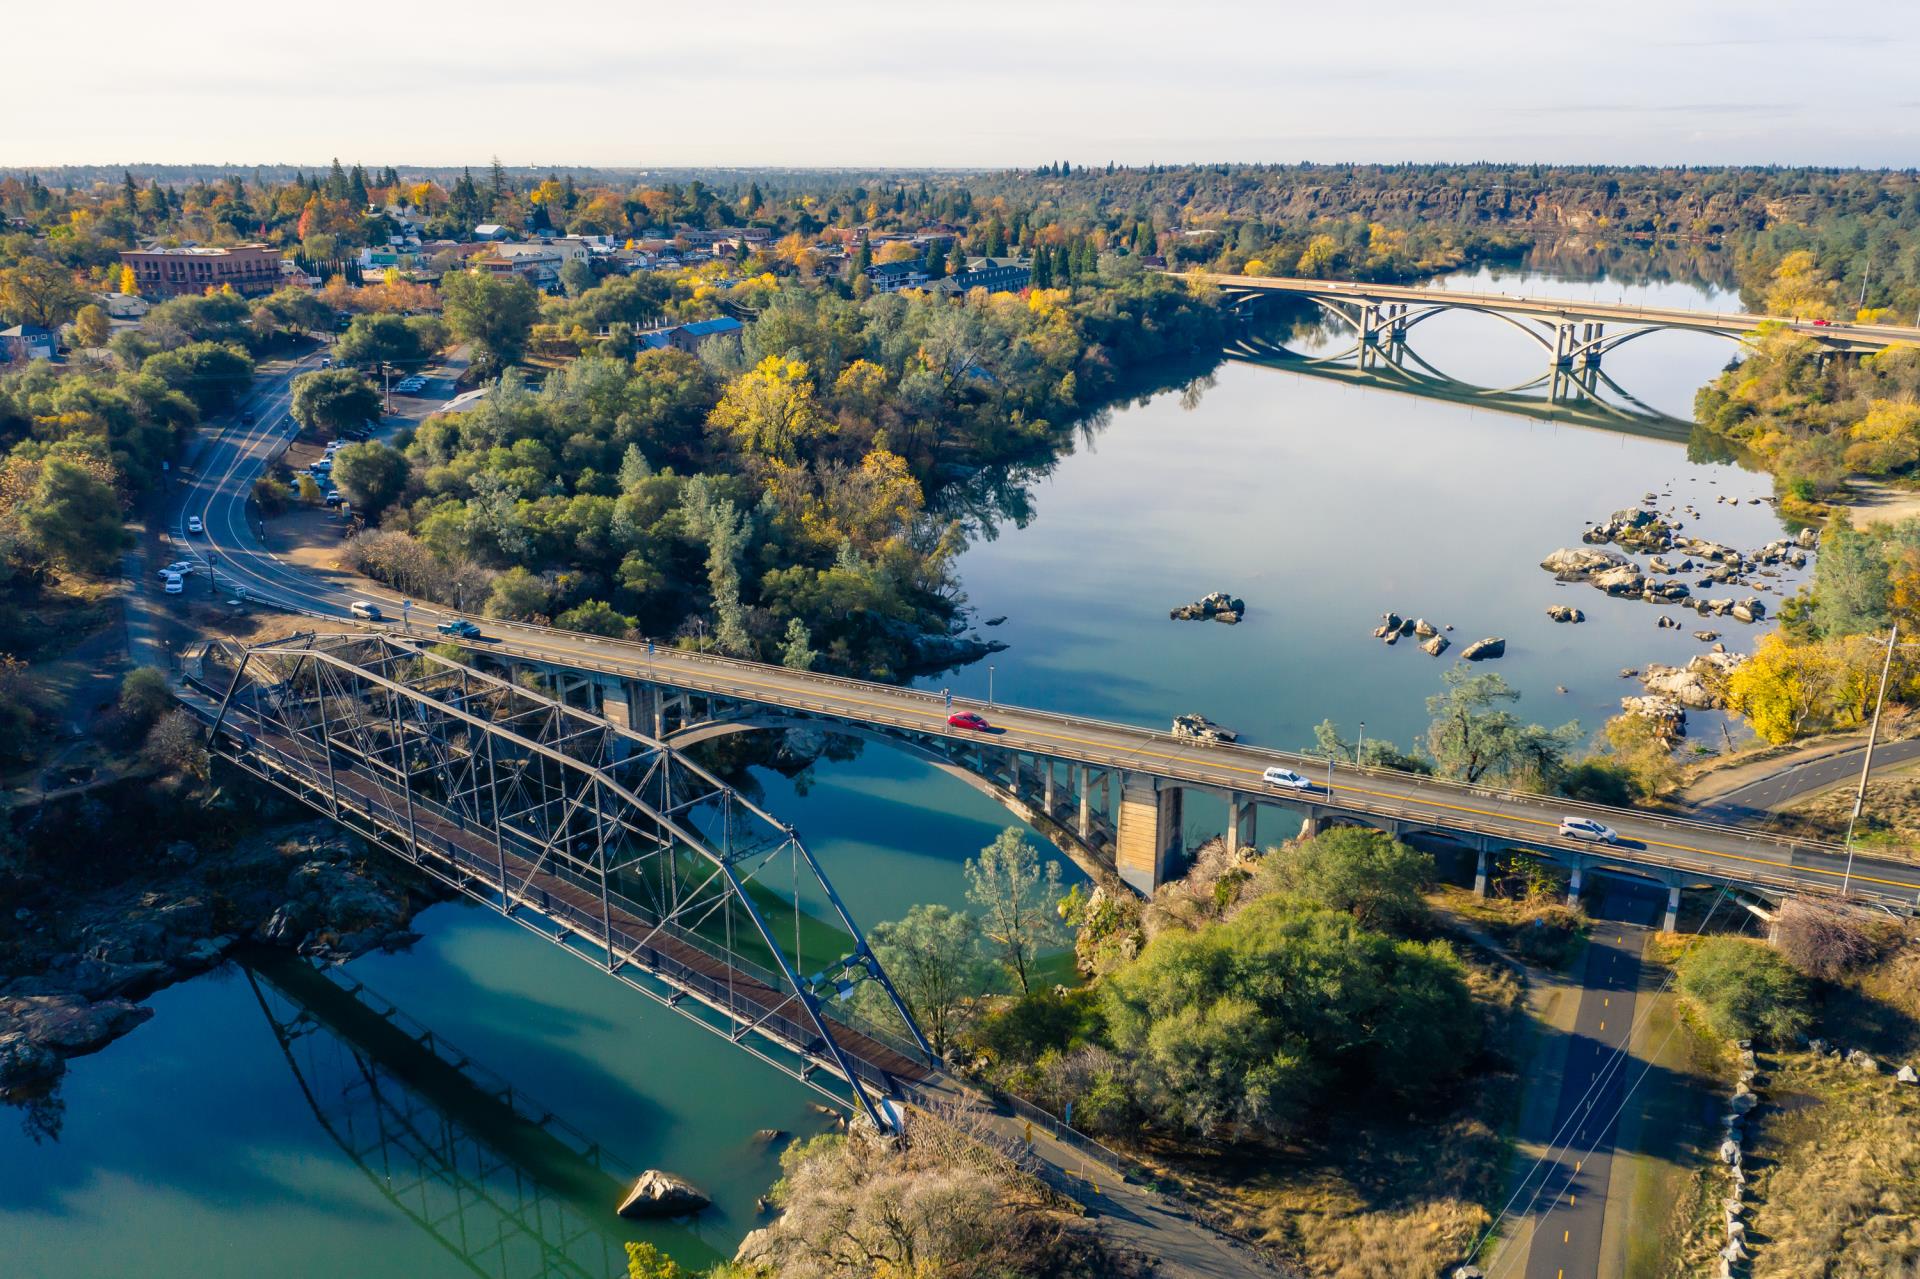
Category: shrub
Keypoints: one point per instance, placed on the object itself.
(1745, 989)
(1364, 873)
(1821, 940)
(144, 697)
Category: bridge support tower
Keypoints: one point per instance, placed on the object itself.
(1147, 834)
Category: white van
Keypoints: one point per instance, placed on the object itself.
(365, 611)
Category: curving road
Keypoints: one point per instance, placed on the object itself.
(218, 486)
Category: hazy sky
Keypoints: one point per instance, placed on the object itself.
(978, 83)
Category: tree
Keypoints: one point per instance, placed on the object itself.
(1822, 939)
(144, 696)
(797, 653)
(1745, 989)
(595, 617)
(1644, 751)
(370, 475)
(174, 745)
(71, 516)
(1850, 588)
(332, 400)
(932, 956)
(494, 313)
(129, 282)
(1365, 873)
(770, 411)
(516, 596)
(576, 277)
(1788, 690)
(38, 291)
(1800, 289)
(1472, 739)
(1016, 895)
(212, 374)
(371, 340)
(1246, 1025)
(91, 327)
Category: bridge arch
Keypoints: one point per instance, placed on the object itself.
(1085, 853)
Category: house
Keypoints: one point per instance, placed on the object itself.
(491, 231)
(25, 342)
(891, 277)
(995, 275)
(538, 264)
(691, 337)
(122, 306)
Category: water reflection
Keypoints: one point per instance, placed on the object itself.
(492, 1177)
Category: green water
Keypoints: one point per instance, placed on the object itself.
(205, 1144)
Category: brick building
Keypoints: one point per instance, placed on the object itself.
(166, 273)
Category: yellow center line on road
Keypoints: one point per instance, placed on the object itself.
(1141, 753)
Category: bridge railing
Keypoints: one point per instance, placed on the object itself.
(670, 665)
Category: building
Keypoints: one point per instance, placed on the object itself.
(166, 273)
(995, 275)
(891, 277)
(490, 231)
(691, 337)
(538, 264)
(25, 342)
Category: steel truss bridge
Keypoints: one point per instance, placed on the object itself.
(1569, 333)
(606, 841)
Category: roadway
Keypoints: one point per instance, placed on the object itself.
(1858, 336)
(219, 485)
(1778, 789)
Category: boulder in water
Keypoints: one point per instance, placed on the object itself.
(661, 1194)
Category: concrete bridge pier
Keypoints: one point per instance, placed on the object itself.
(1147, 832)
(1573, 884)
(1672, 923)
(1085, 792)
(1242, 817)
(1480, 870)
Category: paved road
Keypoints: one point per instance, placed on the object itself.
(1572, 1205)
(1865, 337)
(223, 479)
(1776, 790)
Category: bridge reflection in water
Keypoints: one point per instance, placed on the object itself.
(1582, 396)
(497, 1180)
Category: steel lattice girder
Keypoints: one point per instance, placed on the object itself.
(571, 805)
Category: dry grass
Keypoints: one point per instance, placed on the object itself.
(1889, 823)
(1836, 1174)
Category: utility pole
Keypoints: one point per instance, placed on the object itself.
(1360, 747)
(1866, 764)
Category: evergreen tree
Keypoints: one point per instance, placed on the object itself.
(129, 195)
(498, 184)
(957, 260)
(936, 264)
(357, 188)
(337, 181)
(1062, 265)
(1042, 269)
(568, 196)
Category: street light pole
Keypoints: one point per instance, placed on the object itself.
(989, 683)
(1866, 764)
(1360, 747)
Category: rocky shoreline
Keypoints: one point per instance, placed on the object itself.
(78, 960)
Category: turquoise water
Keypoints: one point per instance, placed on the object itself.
(201, 1145)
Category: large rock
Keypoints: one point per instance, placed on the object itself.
(661, 1194)
(1565, 613)
(1750, 609)
(1906, 1075)
(1484, 649)
(1669, 717)
(1624, 580)
(1196, 727)
(1572, 563)
(1700, 684)
(1437, 645)
(1217, 605)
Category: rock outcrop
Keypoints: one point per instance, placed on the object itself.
(1216, 605)
(1483, 650)
(1700, 684)
(1565, 613)
(1668, 717)
(1574, 563)
(1195, 727)
(661, 1194)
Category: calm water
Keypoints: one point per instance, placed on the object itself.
(211, 1142)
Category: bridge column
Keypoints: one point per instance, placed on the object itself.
(1563, 344)
(1573, 885)
(1046, 796)
(1147, 832)
(1085, 790)
(1235, 806)
(1672, 924)
(1480, 874)
(616, 701)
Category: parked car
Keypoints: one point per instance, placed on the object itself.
(1285, 777)
(326, 361)
(1588, 828)
(174, 584)
(459, 628)
(333, 497)
(179, 568)
(194, 524)
(968, 720)
(366, 611)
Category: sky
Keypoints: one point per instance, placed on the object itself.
(985, 83)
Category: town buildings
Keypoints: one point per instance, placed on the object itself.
(166, 273)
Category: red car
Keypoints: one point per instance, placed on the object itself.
(1822, 323)
(969, 720)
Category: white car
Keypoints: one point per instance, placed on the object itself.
(1587, 828)
(194, 525)
(179, 568)
(174, 584)
(1285, 777)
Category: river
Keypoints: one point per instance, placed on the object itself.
(235, 1136)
